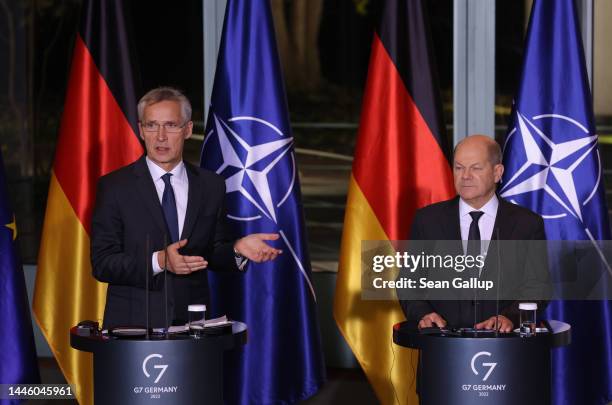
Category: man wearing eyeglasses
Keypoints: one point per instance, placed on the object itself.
(161, 221)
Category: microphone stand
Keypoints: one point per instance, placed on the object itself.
(147, 269)
(498, 283)
(166, 284)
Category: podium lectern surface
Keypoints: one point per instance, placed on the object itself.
(177, 370)
(502, 370)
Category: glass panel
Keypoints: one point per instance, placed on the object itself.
(325, 51)
(510, 28)
(602, 87)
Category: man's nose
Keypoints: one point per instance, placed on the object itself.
(161, 133)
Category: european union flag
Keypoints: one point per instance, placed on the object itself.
(18, 362)
(249, 142)
(553, 167)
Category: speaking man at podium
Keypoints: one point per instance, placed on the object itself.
(162, 220)
(476, 214)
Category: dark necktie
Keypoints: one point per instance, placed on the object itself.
(473, 248)
(169, 208)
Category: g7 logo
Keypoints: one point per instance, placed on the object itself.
(490, 365)
(162, 367)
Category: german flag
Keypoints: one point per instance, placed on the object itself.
(400, 165)
(98, 134)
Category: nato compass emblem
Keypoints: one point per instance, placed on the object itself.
(562, 170)
(263, 174)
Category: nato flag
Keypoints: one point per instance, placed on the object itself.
(553, 167)
(18, 363)
(249, 142)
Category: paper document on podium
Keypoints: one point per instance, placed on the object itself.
(208, 323)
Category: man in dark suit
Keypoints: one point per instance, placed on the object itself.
(478, 214)
(162, 219)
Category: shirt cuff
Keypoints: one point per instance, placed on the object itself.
(155, 264)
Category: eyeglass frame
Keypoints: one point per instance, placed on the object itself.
(176, 130)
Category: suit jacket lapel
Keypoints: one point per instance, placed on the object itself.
(504, 225)
(452, 228)
(504, 228)
(194, 199)
(147, 190)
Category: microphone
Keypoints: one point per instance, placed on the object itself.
(498, 242)
(475, 303)
(147, 269)
(166, 283)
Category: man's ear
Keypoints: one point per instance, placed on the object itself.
(189, 130)
(498, 172)
(140, 131)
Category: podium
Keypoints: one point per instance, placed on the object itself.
(177, 370)
(462, 369)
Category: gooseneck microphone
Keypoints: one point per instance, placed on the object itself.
(166, 284)
(147, 269)
(499, 269)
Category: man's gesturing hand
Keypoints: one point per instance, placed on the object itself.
(177, 263)
(254, 248)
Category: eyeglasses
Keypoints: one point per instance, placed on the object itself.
(170, 127)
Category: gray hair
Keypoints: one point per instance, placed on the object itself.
(165, 93)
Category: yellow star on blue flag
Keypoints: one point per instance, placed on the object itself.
(13, 227)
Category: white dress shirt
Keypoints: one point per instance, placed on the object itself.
(180, 185)
(485, 224)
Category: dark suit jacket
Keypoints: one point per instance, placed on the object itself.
(440, 222)
(128, 226)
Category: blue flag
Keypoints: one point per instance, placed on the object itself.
(249, 142)
(553, 167)
(18, 362)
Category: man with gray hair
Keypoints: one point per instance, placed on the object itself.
(160, 215)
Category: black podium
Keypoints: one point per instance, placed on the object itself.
(468, 368)
(177, 370)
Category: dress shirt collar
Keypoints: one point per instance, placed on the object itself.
(489, 209)
(178, 172)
